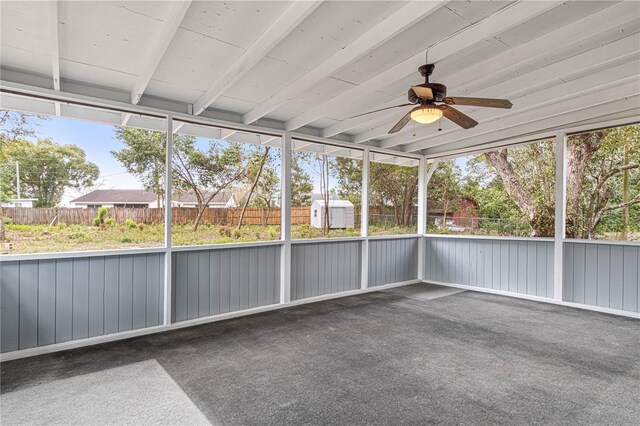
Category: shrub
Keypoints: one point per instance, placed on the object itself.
(236, 233)
(273, 233)
(141, 226)
(7, 220)
(110, 222)
(99, 219)
(130, 223)
(224, 231)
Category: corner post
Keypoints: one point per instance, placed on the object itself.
(167, 221)
(422, 213)
(364, 220)
(285, 219)
(560, 215)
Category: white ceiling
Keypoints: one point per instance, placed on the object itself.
(308, 66)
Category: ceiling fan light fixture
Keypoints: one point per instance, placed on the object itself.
(426, 115)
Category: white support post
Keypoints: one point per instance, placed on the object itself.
(364, 220)
(285, 220)
(167, 222)
(560, 215)
(422, 213)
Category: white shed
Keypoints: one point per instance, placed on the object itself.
(341, 214)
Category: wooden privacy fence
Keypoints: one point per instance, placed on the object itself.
(180, 215)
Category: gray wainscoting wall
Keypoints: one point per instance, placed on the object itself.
(319, 268)
(57, 300)
(393, 260)
(518, 266)
(214, 281)
(602, 274)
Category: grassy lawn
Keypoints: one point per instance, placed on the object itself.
(62, 238)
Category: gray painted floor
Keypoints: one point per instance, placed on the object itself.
(392, 357)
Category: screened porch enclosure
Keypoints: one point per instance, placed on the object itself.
(231, 135)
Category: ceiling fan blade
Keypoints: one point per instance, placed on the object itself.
(400, 124)
(381, 109)
(422, 92)
(481, 102)
(457, 117)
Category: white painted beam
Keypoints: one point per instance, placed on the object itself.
(126, 116)
(575, 95)
(602, 65)
(374, 37)
(177, 11)
(493, 25)
(573, 37)
(226, 134)
(297, 12)
(54, 37)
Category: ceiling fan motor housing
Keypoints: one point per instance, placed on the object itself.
(439, 93)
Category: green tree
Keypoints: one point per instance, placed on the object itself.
(445, 188)
(144, 157)
(202, 172)
(301, 183)
(47, 169)
(394, 186)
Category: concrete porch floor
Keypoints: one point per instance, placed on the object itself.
(417, 354)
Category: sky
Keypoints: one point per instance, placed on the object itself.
(98, 140)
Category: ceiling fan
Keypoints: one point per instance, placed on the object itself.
(432, 103)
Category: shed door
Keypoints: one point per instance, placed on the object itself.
(337, 217)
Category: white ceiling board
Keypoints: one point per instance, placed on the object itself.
(323, 90)
(109, 35)
(556, 18)
(194, 60)
(237, 23)
(530, 50)
(230, 103)
(173, 91)
(328, 29)
(474, 11)
(24, 26)
(613, 24)
(19, 59)
(418, 38)
(93, 75)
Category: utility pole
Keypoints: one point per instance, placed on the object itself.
(18, 179)
(625, 191)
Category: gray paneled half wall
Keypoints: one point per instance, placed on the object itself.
(215, 281)
(602, 274)
(319, 268)
(393, 260)
(57, 300)
(514, 265)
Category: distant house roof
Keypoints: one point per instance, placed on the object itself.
(140, 196)
(117, 196)
(190, 197)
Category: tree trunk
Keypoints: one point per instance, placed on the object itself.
(253, 186)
